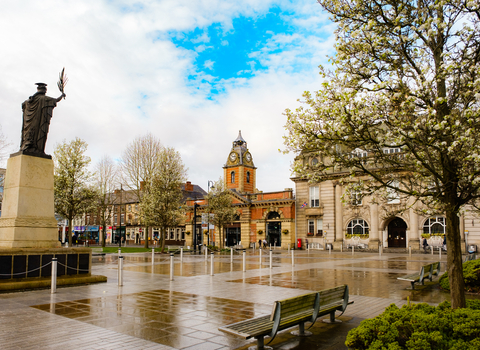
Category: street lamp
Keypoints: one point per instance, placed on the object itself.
(120, 219)
(195, 205)
(209, 186)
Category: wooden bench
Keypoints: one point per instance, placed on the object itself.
(425, 272)
(435, 269)
(291, 312)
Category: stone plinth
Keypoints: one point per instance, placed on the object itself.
(28, 214)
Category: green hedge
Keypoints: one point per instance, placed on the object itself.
(471, 276)
(420, 327)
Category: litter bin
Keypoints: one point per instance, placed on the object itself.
(299, 243)
(472, 248)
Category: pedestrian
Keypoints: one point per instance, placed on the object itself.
(444, 242)
(425, 244)
(260, 244)
(264, 243)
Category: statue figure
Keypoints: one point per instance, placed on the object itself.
(37, 112)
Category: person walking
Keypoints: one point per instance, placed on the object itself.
(445, 242)
(425, 244)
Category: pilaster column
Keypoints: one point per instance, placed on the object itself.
(414, 237)
(338, 217)
(374, 237)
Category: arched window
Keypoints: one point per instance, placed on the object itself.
(232, 177)
(248, 177)
(434, 225)
(357, 227)
(273, 215)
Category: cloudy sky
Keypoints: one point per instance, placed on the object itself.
(193, 73)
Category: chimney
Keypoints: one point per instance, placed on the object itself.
(188, 186)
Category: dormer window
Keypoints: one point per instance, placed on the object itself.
(392, 150)
(359, 153)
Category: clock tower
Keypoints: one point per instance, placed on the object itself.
(239, 173)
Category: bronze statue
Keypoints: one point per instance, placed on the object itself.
(37, 112)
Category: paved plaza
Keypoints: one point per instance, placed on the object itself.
(151, 312)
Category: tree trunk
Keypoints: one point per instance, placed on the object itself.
(69, 233)
(454, 260)
(162, 239)
(146, 237)
(103, 234)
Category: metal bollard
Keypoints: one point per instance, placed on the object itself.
(431, 248)
(380, 250)
(353, 250)
(231, 255)
(119, 252)
(181, 254)
(293, 259)
(341, 248)
(329, 249)
(171, 266)
(260, 260)
(409, 251)
(206, 255)
(244, 261)
(211, 263)
(120, 270)
(440, 252)
(54, 275)
(271, 254)
(153, 256)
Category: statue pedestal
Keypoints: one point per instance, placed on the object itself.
(28, 213)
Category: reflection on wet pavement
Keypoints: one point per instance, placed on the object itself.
(170, 318)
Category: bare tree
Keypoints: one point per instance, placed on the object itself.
(221, 206)
(139, 164)
(163, 198)
(105, 180)
(73, 193)
(4, 146)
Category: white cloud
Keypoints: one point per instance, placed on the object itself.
(127, 79)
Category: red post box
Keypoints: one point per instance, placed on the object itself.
(299, 243)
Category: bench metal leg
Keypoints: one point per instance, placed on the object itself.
(332, 319)
(260, 345)
(301, 331)
(413, 285)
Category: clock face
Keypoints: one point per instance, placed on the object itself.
(233, 156)
(248, 157)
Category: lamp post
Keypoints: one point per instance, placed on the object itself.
(120, 219)
(195, 205)
(209, 186)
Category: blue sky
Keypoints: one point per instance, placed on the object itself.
(191, 73)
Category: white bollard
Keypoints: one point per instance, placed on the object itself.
(211, 264)
(271, 255)
(440, 252)
(171, 266)
(231, 255)
(341, 248)
(260, 260)
(244, 261)
(153, 256)
(379, 250)
(293, 259)
(329, 249)
(181, 254)
(353, 250)
(54, 275)
(120, 270)
(119, 252)
(409, 251)
(206, 255)
(431, 248)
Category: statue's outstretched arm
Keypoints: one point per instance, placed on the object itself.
(60, 98)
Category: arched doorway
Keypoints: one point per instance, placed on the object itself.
(274, 229)
(397, 233)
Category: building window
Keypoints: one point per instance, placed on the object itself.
(315, 227)
(314, 197)
(392, 150)
(311, 226)
(183, 233)
(171, 233)
(393, 197)
(356, 198)
(115, 219)
(357, 227)
(435, 225)
(248, 177)
(122, 219)
(232, 177)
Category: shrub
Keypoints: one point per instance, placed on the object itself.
(419, 326)
(471, 276)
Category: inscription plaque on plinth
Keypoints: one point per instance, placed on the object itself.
(28, 213)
